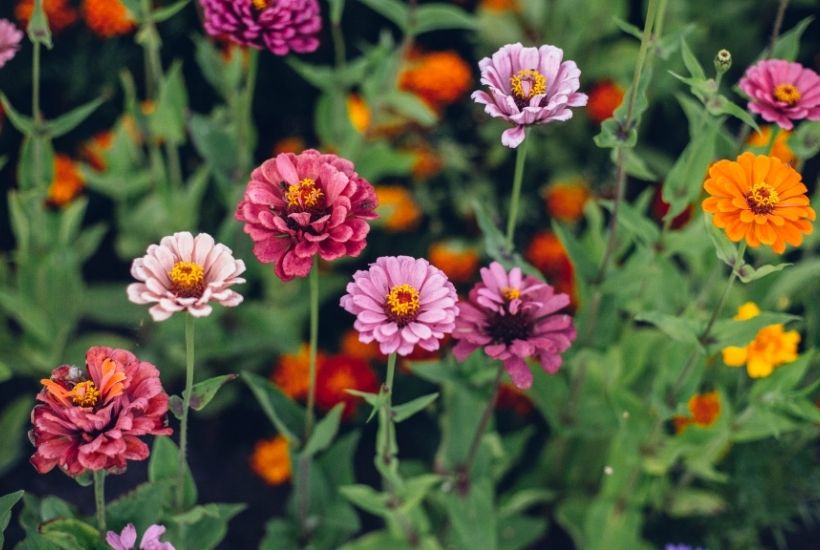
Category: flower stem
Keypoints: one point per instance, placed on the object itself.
(314, 344)
(386, 454)
(36, 114)
(775, 130)
(482, 427)
(518, 176)
(99, 498)
(246, 110)
(186, 404)
(778, 22)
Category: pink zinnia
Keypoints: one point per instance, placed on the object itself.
(10, 37)
(298, 206)
(185, 273)
(93, 419)
(528, 86)
(514, 317)
(401, 302)
(278, 25)
(781, 91)
(127, 539)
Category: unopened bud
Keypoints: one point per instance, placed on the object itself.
(723, 61)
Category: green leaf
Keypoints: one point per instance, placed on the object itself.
(168, 120)
(719, 105)
(24, 124)
(286, 415)
(473, 516)
(617, 131)
(29, 175)
(394, 10)
(628, 28)
(805, 140)
(325, 431)
(203, 527)
(34, 319)
(690, 61)
(757, 423)
(168, 12)
(320, 76)
(747, 273)
(677, 328)
(411, 106)
(434, 17)
(787, 45)
(71, 534)
(366, 498)
(687, 502)
(141, 506)
(14, 421)
(731, 332)
(725, 250)
(70, 120)
(7, 502)
(406, 410)
(524, 499)
(203, 392)
(579, 257)
(164, 465)
(633, 221)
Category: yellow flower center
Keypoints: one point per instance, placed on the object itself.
(260, 4)
(403, 303)
(528, 83)
(187, 279)
(510, 294)
(304, 194)
(762, 198)
(84, 394)
(787, 93)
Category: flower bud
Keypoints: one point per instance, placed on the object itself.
(723, 61)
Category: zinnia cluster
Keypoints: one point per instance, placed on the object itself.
(782, 91)
(92, 419)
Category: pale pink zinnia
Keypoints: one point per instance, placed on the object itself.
(298, 206)
(10, 37)
(782, 91)
(186, 273)
(528, 86)
(514, 317)
(401, 302)
(127, 539)
(93, 419)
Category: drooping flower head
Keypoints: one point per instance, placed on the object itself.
(339, 373)
(514, 317)
(298, 206)
(281, 26)
(10, 37)
(127, 539)
(782, 91)
(271, 460)
(772, 347)
(92, 419)
(186, 273)
(528, 86)
(401, 302)
(759, 199)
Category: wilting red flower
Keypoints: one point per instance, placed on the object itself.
(339, 373)
(511, 398)
(59, 13)
(604, 98)
(93, 420)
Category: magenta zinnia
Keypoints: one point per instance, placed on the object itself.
(514, 317)
(528, 86)
(298, 206)
(93, 419)
(281, 26)
(401, 302)
(185, 273)
(782, 91)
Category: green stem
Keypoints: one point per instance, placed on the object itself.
(778, 22)
(338, 44)
(314, 345)
(387, 453)
(482, 426)
(99, 498)
(37, 115)
(246, 113)
(520, 158)
(186, 404)
(773, 132)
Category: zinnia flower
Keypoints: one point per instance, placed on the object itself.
(760, 199)
(60, 13)
(782, 91)
(93, 420)
(281, 26)
(108, 18)
(546, 253)
(397, 210)
(95, 149)
(458, 262)
(704, 409)
(604, 98)
(298, 206)
(358, 113)
(271, 460)
(565, 200)
(10, 37)
(292, 373)
(186, 273)
(513, 317)
(528, 86)
(771, 348)
(351, 345)
(780, 147)
(339, 373)
(67, 182)
(127, 539)
(401, 302)
(439, 78)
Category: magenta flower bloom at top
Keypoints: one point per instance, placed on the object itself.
(10, 37)
(185, 273)
(298, 206)
(94, 419)
(514, 317)
(528, 86)
(782, 91)
(127, 539)
(281, 26)
(401, 302)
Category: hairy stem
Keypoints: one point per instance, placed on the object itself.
(518, 176)
(482, 426)
(186, 404)
(99, 499)
(314, 344)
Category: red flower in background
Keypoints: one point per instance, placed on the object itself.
(604, 98)
(339, 373)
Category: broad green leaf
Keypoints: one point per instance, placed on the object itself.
(35, 169)
(757, 422)
(747, 273)
(579, 257)
(14, 421)
(224, 75)
(434, 17)
(7, 502)
(677, 328)
(141, 506)
(164, 465)
(394, 10)
(633, 221)
(325, 431)
(787, 45)
(70, 120)
(71, 534)
(473, 516)
(524, 499)
(784, 379)
(366, 498)
(719, 105)
(411, 106)
(24, 124)
(322, 77)
(628, 28)
(406, 410)
(286, 415)
(203, 527)
(731, 332)
(203, 392)
(690, 61)
(725, 250)
(617, 131)
(168, 120)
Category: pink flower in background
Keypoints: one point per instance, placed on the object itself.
(93, 419)
(281, 26)
(127, 539)
(781, 91)
(298, 206)
(514, 317)
(401, 302)
(528, 86)
(10, 37)
(185, 273)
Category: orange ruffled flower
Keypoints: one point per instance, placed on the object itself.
(292, 374)
(358, 112)
(565, 200)
(439, 78)
(271, 460)
(60, 13)
(459, 263)
(780, 147)
(760, 199)
(107, 18)
(771, 348)
(338, 374)
(67, 182)
(353, 347)
(397, 209)
(546, 253)
(604, 98)
(704, 409)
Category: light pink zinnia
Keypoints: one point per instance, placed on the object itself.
(93, 420)
(514, 317)
(528, 86)
(278, 25)
(401, 302)
(185, 273)
(127, 540)
(10, 37)
(298, 206)
(781, 91)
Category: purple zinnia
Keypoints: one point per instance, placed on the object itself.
(278, 25)
(781, 91)
(528, 86)
(514, 317)
(400, 302)
(127, 539)
(10, 37)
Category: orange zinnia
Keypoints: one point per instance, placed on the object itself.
(59, 13)
(704, 409)
(67, 182)
(397, 209)
(565, 200)
(604, 98)
(439, 78)
(780, 147)
(107, 18)
(351, 345)
(292, 374)
(760, 199)
(458, 262)
(271, 460)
